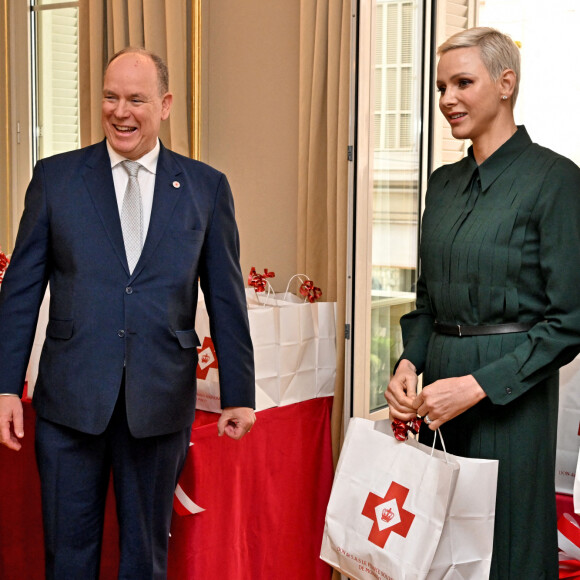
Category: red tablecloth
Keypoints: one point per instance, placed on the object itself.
(265, 498)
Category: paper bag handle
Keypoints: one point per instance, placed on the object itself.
(301, 277)
(438, 432)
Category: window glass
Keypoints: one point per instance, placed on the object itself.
(52, 2)
(395, 183)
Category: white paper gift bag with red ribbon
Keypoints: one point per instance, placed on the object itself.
(305, 333)
(402, 510)
(285, 351)
(387, 506)
(294, 344)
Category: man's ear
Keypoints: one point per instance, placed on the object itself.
(166, 102)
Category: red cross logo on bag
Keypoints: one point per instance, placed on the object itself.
(207, 358)
(388, 514)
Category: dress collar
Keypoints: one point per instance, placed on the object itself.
(502, 158)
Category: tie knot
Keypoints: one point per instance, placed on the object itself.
(131, 167)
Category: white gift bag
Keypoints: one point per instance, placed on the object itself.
(294, 351)
(576, 489)
(325, 338)
(207, 373)
(306, 333)
(39, 337)
(284, 339)
(466, 543)
(568, 442)
(387, 507)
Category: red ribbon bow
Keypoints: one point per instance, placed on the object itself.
(4, 261)
(569, 542)
(310, 291)
(259, 281)
(401, 428)
(569, 569)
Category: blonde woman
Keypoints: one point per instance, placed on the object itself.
(498, 301)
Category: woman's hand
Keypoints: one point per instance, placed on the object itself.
(445, 399)
(401, 392)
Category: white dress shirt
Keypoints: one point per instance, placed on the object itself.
(146, 178)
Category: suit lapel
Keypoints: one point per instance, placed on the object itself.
(165, 197)
(98, 179)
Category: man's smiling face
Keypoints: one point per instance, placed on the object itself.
(133, 106)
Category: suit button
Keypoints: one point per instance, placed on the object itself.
(129, 290)
(508, 390)
(121, 333)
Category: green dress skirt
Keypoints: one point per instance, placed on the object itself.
(501, 243)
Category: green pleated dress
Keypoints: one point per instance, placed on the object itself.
(501, 243)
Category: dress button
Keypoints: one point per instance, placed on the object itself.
(129, 290)
(121, 333)
(508, 390)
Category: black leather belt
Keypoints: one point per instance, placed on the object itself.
(482, 329)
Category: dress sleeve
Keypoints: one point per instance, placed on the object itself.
(555, 341)
(417, 327)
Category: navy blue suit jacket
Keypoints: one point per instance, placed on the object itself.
(101, 318)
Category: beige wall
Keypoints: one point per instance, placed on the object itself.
(250, 122)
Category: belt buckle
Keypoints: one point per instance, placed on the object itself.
(459, 330)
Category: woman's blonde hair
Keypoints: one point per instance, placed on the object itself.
(498, 51)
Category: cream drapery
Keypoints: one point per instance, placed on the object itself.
(323, 164)
(166, 27)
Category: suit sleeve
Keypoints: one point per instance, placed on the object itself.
(23, 288)
(223, 288)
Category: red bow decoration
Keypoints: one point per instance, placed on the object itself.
(569, 543)
(4, 261)
(259, 281)
(310, 291)
(401, 429)
(568, 568)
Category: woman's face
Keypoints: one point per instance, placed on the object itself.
(469, 99)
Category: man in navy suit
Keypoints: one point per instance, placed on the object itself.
(116, 382)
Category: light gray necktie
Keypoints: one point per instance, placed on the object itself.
(132, 215)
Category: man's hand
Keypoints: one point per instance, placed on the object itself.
(11, 421)
(235, 422)
(401, 392)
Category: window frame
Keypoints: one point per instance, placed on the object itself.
(20, 141)
(358, 400)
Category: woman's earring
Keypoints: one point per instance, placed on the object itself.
(503, 98)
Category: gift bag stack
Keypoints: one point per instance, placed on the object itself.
(294, 339)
